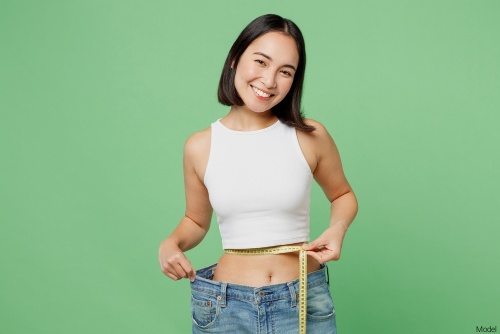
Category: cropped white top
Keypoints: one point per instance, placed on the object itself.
(259, 185)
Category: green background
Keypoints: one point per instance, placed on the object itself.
(98, 97)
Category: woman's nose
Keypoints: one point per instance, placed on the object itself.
(268, 79)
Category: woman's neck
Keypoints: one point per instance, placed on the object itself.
(242, 119)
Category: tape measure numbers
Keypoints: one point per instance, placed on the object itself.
(302, 273)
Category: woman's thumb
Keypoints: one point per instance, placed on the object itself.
(312, 245)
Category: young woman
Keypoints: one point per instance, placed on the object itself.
(254, 167)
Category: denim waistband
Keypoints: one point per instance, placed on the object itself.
(203, 283)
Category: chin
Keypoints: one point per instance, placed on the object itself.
(259, 110)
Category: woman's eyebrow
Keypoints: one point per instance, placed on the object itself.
(271, 59)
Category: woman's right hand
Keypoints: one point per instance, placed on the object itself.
(174, 263)
(196, 221)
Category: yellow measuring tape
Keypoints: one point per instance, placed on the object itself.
(302, 273)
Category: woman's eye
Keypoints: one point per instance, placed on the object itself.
(288, 74)
(260, 62)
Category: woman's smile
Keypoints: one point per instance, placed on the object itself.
(261, 95)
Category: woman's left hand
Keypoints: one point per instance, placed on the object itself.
(327, 246)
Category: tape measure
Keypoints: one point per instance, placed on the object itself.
(302, 273)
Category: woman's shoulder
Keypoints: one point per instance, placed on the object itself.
(320, 131)
(198, 143)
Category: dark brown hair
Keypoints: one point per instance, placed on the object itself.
(288, 110)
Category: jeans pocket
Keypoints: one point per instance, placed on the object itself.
(204, 309)
(319, 303)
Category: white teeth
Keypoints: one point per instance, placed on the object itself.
(260, 93)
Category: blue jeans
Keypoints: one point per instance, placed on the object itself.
(218, 307)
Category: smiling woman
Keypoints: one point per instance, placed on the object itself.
(255, 167)
(264, 72)
(288, 111)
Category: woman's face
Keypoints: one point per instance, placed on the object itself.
(265, 71)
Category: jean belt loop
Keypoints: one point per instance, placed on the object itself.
(327, 275)
(293, 295)
(223, 289)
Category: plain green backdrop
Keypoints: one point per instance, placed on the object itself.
(98, 97)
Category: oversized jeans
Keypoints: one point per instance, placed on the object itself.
(218, 307)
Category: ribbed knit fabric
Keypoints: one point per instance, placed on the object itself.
(259, 185)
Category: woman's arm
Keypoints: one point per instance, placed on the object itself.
(330, 176)
(195, 224)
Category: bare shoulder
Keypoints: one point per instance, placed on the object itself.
(320, 128)
(320, 134)
(198, 143)
(314, 144)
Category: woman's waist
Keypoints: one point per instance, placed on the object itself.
(254, 269)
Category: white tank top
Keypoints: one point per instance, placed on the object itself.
(259, 185)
